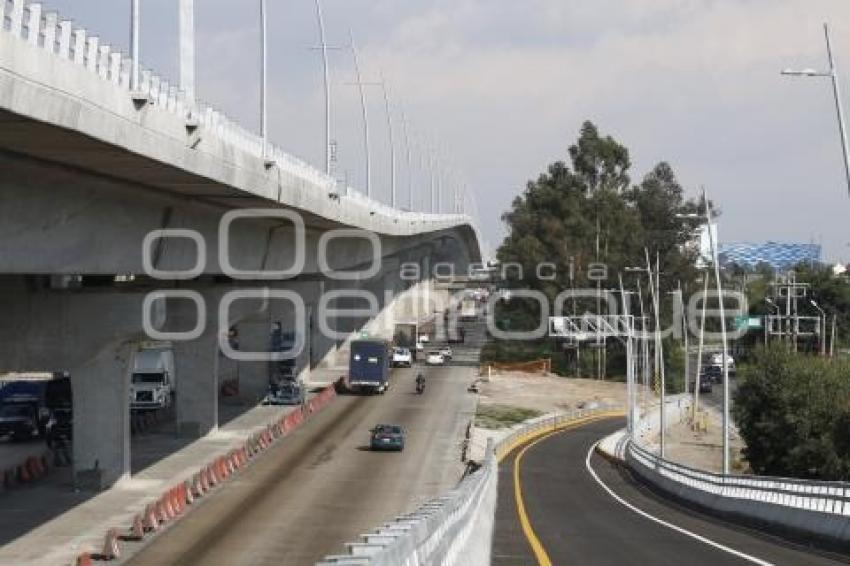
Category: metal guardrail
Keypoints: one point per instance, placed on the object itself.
(458, 527)
(819, 496)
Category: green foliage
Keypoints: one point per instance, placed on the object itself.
(576, 215)
(502, 416)
(793, 412)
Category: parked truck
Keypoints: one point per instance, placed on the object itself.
(369, 366)
(22, 411)
(153, 378)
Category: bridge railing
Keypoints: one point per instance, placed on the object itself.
(809, 495)
(456, 528)
(29, 22)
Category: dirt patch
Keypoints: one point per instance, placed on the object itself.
(548, 393)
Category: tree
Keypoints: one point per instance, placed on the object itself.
(793, 413)
(585, 212)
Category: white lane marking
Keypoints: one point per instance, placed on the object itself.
(676, 528)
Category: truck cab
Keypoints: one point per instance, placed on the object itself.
(22, 416)
(152, 380)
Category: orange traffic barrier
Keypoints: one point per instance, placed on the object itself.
(84, 559)
(150, 523)
(137, 529)
(111, 550)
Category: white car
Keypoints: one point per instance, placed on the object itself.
(435, 359)
(717, 360)
(424, 338)
(402, 357)
(446, 352)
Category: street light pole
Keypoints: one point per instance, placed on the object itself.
(408, 159)
(323, 45)
(659, 355)
(722, 311)
(842, 128)
(365, 113)
(383, 85)
(832, 74)
(264, 76)
(821, 327)
(134, 43)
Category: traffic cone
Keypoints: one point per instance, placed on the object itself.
(187, 492)
(205, 484)
(151, 523)
(211, 476)
(161, 512)
(111, 550)
(137, 529)
(197, 486)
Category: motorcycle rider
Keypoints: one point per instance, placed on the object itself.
(420, 382)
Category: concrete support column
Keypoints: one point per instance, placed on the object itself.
(196, 367)
(254, 336)
(101, 392)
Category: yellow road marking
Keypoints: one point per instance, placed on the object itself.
(530, 440)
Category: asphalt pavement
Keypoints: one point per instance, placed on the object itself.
(322, 486)
(576, 521)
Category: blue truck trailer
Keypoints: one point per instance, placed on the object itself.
(369, 366)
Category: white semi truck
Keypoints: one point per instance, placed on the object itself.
(153, 379)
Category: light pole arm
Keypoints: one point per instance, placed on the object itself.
(836, 90)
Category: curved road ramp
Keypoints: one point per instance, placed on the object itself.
(813, 508)
(458, 527)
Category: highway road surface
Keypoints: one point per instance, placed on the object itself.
(322, 487)
(570, 518)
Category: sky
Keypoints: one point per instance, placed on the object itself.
(499, 89)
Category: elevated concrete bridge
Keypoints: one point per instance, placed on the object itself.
(91, 169)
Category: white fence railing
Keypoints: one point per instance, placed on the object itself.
(819, 496)
(456, 529)
(816, 508)
(43, 29)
